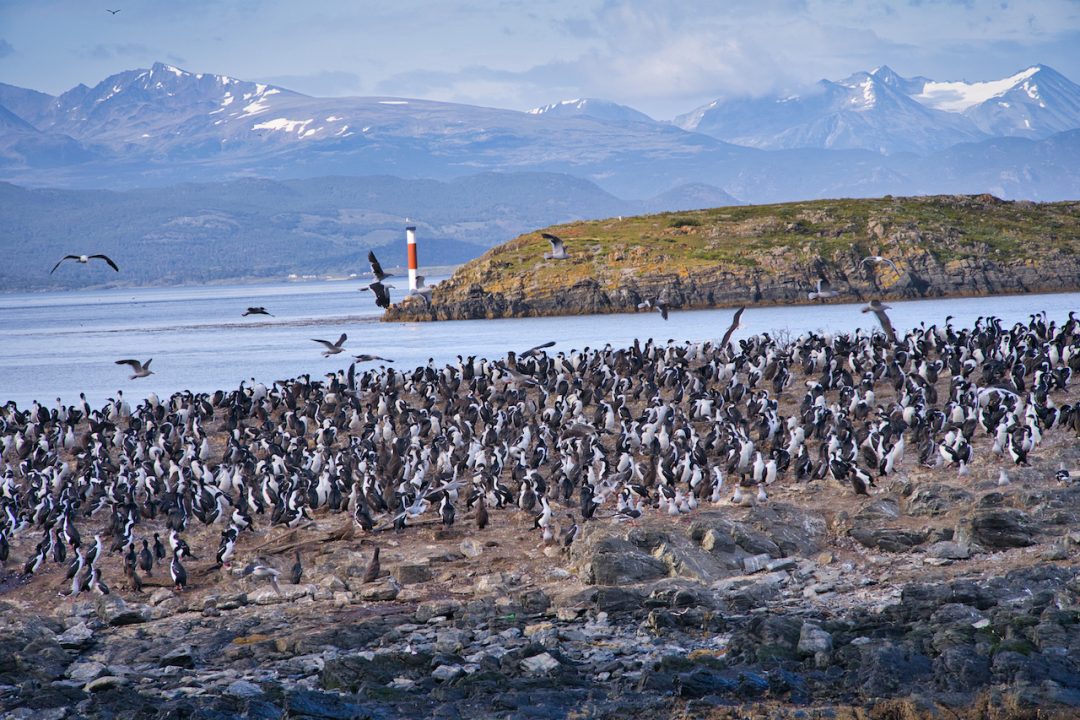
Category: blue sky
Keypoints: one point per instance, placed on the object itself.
(663, 58)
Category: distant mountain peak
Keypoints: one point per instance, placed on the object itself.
(593, 108)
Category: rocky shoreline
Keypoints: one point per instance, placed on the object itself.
(773, 611)
(934, 259)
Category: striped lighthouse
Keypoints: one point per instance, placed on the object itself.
(410, 239)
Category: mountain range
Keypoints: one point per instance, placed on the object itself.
(873, 133)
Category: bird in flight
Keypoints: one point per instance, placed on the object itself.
(875, 259)
(422, 290)
(382, 293)
(137, 368)
(84, 259)
(558, 250)
(878, 308)
(661, 307)
(735, 325)
(256, 311)
(536, 350)
(824, 290)
(112, 11)
(371, 358)
(376, 268)
(332, 348)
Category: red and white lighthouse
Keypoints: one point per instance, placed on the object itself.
(410, 238)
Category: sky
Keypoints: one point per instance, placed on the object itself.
(662, 57)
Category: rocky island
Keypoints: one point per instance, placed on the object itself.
(824, 527)
(940, 246)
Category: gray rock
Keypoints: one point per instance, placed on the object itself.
(888, 539)
(114, 611)
(76, 637)
(104, 683)
(471, 548)
(813, 640)
(411, 574)
(84, 672)
(243, 689)
(884, 509)
(756, 563)
(1002, 528)
(620, 568)
(541, 664)
(446, 673)
(381, 589)
(180, 656)
(948, 550)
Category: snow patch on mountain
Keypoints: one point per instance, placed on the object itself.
(959, 96)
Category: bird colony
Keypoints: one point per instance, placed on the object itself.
(100, 498)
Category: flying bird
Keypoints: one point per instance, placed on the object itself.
(735, 325)
(256, 311)
(536, 350)
(558, 250)
(824, 290)
(661, 307)
(382, 293)
(878, 308)
(376, 268)
(138, 369)
(371, 358)
(84, 259)
(422, 290)
(875, 259)
(332, 348)
(112, 11)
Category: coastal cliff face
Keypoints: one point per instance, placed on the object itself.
(942, 246)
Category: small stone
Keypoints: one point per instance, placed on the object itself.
(980, 624)
(781, 564)
(756, 563)
(84, 672)
(949, 550)
(243, 689)
(1055, 552)
(104, 683)
(402, 683)
(446, 673)
(76, 637)
(813, 640)
(161, 595)
(411, 574)
(381, 589)
(541, 664)
(178, 657)
(471, 548)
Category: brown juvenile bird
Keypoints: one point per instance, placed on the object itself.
(372, 572)
(297, 570)
(481, 514)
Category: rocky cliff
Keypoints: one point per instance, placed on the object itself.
(771, 254)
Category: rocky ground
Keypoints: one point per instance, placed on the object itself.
(939, 596)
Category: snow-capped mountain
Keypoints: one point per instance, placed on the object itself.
(591, 107)
(886, 112)
(163, 125)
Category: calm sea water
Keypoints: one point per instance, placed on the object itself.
(62, 343)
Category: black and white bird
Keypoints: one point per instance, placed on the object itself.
(138, 369)
(256, 311)
(177, 571)
(823, 290)
(382, 293)
(878, 308)
(875, 259)
(660, 307)
(84, 259)
(376, 268)
(558, 250)
(332, 348)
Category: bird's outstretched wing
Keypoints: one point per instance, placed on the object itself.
(133, 363)
(66, 257)
(341, 340)
(107, 259)
(533, 350)
(329, 345)
(555, 240)
(376, 268)
(734, 326)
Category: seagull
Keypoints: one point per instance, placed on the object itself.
(376, 268)
(824, 290)
(84, 259)
(661, 307)
(263, 571)
(735, 325)
(536, 350)
(422, 290)
(137, 368)
(875, 259)
(382, 293)
(332, 348)
(879, 308)
(111, 11)
(256, 311)
(558, 250)
(371, 358)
